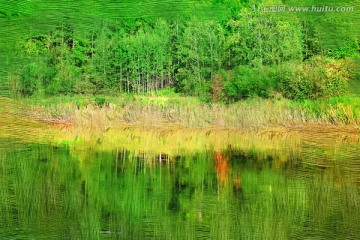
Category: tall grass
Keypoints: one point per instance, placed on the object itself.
(155, 114)
(190, 112)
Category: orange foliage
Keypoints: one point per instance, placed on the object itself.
(222, 168)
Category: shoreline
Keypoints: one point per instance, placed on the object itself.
(252, 117)
(301, 128)
(189, 112)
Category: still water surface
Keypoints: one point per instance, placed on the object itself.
(57, 192)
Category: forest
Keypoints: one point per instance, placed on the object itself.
(239, 54)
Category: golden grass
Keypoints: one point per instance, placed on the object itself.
(182, 112)
(259, 113)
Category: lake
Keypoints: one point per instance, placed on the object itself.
(256, 186)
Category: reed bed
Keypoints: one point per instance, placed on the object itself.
(155, 112)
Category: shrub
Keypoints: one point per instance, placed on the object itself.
(85, 87)
(30, 79)
(244, 83)
(315, 79)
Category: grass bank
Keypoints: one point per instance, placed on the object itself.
(175, 111)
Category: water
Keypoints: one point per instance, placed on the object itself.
(65, 192)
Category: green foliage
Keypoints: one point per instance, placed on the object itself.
(245, 82)
(166, 92)
(347, 49)
(80, 103)
(100, 101)
(256, 39)
(30, 79)
(310, 40)
(85, 87)
(201, 49)
(317, 78)
(268, 54)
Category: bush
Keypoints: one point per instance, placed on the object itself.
(30, 80)
(244, 83)
(315, 79)
(85, 87)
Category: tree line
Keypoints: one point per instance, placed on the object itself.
(250, 53)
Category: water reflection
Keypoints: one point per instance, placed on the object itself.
(58, 192)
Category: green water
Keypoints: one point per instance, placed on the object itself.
(49, 192)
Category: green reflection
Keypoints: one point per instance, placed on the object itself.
(54, 192)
